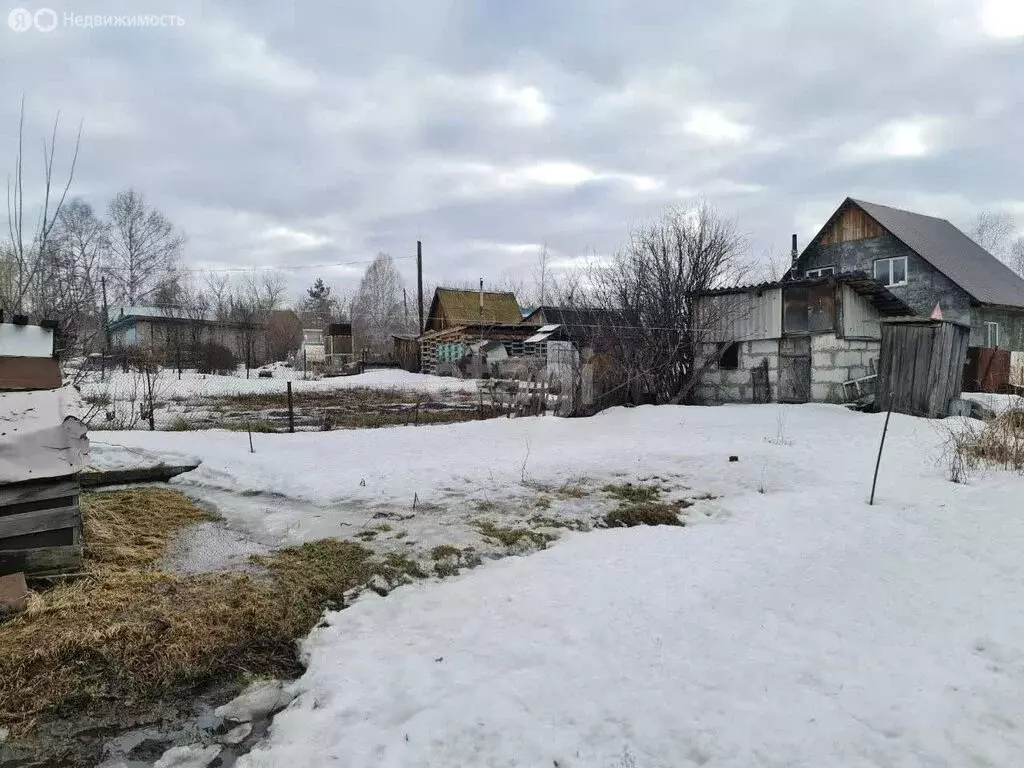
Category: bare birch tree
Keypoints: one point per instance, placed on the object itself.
(996, 232)
(68, 289)
(145, 249)
(377, 309)
(26, 244)
(993, 230)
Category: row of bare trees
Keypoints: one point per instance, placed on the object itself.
(58, 251)
(996, 232)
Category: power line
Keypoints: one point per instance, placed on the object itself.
(291, 268)
(603, 326)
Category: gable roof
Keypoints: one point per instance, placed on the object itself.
(462, 307)
(950, 251)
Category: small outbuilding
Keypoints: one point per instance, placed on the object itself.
(921, 365)
(792, 341)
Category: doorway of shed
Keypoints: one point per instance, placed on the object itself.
(795, 369)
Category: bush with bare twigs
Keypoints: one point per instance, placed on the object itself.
(997, 442)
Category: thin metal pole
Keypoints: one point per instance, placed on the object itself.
(291, 410)
(881, 445)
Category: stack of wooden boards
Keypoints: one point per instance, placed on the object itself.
(43, 447)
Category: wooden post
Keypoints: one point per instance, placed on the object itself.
(419, 281)
(881, 445)
(291, 410)
(149, 372)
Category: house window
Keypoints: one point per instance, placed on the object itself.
(991, 334)
(730, 359)
(821, 272)
(892, 271)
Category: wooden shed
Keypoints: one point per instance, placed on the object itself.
(921, 365)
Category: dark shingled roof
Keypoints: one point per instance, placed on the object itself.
(953, 253)
(582, 317)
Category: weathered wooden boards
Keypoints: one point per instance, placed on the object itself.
(40, 527)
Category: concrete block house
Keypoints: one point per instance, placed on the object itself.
(925, 261)
(807, 337)
(792, 341)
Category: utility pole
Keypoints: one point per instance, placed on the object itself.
(419, 282)
(106, 330)
(481, 351)
(106, 314)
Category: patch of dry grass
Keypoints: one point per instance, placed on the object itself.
(1000, 442)
(628, 493)
(512, 538)
(646, 513)
(131, 529)
(639, 505)
(127, 631)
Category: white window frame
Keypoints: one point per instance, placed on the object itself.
(991, 329)
(889, 283)
(820, 272)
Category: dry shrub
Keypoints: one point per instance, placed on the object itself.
(125, 631)
(998, 442)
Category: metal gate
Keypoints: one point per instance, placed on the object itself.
(795, 369)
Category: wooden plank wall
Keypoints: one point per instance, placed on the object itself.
(852, 224)
(921, 367)
(40, 527)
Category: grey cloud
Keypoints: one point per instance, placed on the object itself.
(312, 132)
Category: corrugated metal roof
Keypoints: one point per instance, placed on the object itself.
(880, 297)
(117, 313)
(951, 252)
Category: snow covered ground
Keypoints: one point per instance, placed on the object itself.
(793, 626)
(997, 403)
(192, 384)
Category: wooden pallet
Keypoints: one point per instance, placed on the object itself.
(40, 527)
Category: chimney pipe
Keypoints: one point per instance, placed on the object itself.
(794, 256)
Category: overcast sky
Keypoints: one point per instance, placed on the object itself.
(317, 132)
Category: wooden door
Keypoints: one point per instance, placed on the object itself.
(795, 369)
